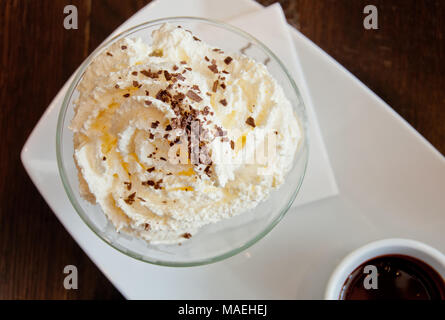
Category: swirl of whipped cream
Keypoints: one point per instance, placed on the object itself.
(166, 135)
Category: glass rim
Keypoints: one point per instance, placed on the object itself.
(59, 146)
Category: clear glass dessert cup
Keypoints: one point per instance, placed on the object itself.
(217, 241)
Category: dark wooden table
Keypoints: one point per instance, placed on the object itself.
(403, 62)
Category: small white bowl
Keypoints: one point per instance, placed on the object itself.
(412, 248)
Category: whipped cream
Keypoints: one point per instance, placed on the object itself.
(176, 134)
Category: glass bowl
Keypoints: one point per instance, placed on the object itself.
(216, 241)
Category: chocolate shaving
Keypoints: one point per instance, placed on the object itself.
(116, 86)
(192, 95)
(187, 235)
(207, 170)
(232, 144)
(135, 73)
(168, 128)
(126, 95)
(155, 124)
(215, 86)
(223, 102)
(109, 54)
(150, 169)
(179, 76)
(196, 39)
(124, 47)
(148, 183)
(179, 96)
(227, 60)
(147, 226)
(167, 75)
(251, 122)
(164, 96)
(128, 184)
(149, 74)
(213, 68)
(219, 131)
(130, 199)
(135, 84)
(148, 102)
(175, 67)
(183, 62)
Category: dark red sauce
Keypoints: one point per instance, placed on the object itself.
(398, 277)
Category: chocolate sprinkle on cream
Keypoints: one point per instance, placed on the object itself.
(149, 74)
(192, 95)
(227, 60)
(148, 183)
(215, 86)
(251, 122)
(124, 47)
(213, 68)
(232, 144)
(167, 75)
(128, 184)
(223, 102)
(187, 235)
(109, 54)
(130, 199)
(126, 95)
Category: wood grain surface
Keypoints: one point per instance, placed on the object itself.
(403, 62)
